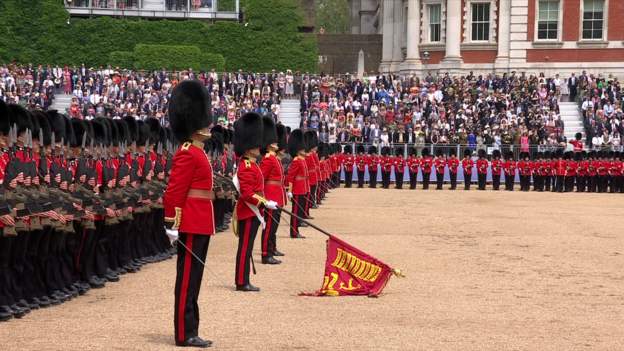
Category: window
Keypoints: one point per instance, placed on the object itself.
(481, 22)
(548, 20)
(593, 19)
(435, 22)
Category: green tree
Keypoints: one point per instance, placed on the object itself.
(332, 16)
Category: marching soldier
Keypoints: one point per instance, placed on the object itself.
(560, 171)
(571, 171)
(467, 165)
(248, 138)
(497, 167)
(348, 161)
(311, 141)
(482, 166)
(453, 166)
(273, 142)
(440, 165)
(399, 168)
(509, 167)
(386, 167)
(188, 204)
(360, 161)
(524, 168)
(296, 180)
(373, 165)
(426, 166)
(413, 163)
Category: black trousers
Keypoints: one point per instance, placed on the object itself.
(560, 184)
(247, 230)
(496, 181)
(509, 182)
(385, 179)
(482, 180)
(453, 180)
(313, 196)
(372, 182)
(569, 183)
(413, 180)
(298, 205)
(439, 180)
(360, 178)
(538, 182)
(188, 282)
(467, 181)
(348, 178)
(269, 237)
(426, 180)
(398, 181)
(547, 182)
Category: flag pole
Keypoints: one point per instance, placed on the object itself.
(305, 221)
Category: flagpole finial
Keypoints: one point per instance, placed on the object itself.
(398, 273)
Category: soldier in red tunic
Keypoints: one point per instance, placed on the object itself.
(297, 180)
(426, 165)
(453, 165)
(188, 204)
(373, 164)
(413, 163)
(467, 165)
(509, 167)
(348, 162)
(482, 166)
(440, 165)
(360, 163)
(274, 142)
(497, 167)
(386, 167)
(251, 201)
(399, 167)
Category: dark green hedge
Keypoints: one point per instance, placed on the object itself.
(122, 59)
(212, 61)
(176, 57)
(36, 31)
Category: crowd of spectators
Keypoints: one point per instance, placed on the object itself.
(28, 85)
(474, 110)
(602, 103)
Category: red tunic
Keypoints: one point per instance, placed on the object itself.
(297, 177)
(453, 164)
(273, 174)
(496, 167)
(190, 170)
(482, 166)
(467, 165)
(251, 188)
(440, 164)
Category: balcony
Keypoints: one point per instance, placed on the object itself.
(171, 9)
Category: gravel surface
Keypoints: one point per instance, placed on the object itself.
(485, 271)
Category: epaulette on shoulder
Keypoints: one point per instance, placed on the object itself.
(247, 163)
(186, 146)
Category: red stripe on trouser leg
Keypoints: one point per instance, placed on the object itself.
(266, 233)
(295, 210)
(243, 254)
(184, 288)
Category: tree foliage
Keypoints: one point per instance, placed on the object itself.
(332, 16)
(37, 31)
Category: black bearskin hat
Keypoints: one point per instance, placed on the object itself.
(425, 152)
(123, 130)
(69, 131)
(398, 151)
(133, 129)
(100, 132)
(385, 151)
(481, 153)
(247, 133)
(44, 128)
(144, 133)
(4, 118)
(348, 149)
(496, 153)
(322, 150)
(467, 152)
(80, 131)
(372, 150)
(578, 136)
(269, 132)
(57, 125)
(359, 149)
(295, 142)
(413, 151)
(311, 140)
(282, 144)
(189, 109)
(20, 117)
(154, 130)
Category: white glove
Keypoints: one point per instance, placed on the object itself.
(172, 234)
(271, 205)
(290, 195)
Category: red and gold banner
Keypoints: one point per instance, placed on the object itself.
(349, 271)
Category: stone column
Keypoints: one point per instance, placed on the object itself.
(387, 35)
(504, 22)
(397, 53)
(412, 61)
(453, 59)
